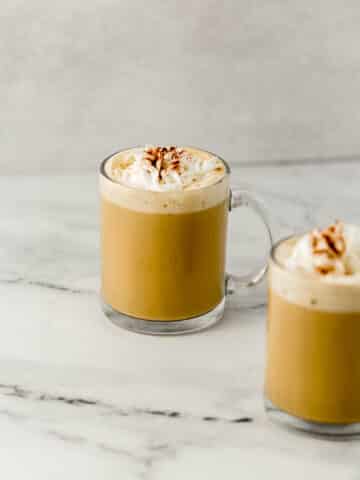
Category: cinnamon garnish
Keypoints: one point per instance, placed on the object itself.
(325, 269)
(329, 243)
(164, 158)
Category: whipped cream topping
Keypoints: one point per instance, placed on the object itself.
(332, 253)
(167, 168)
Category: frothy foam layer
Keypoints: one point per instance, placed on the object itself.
(200, 188)
(163, 169)
(331, 283)
(333, 254)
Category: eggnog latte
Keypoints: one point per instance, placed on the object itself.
(313, 361)
(164, 222)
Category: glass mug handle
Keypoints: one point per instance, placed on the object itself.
(241, 198)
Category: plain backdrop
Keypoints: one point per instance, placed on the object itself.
(252, 80)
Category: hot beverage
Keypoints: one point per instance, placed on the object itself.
(313, 365)
(164, 213)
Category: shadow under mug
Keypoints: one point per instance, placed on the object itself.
(163, 254)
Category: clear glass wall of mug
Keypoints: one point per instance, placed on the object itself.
(163, 253)
(313, 336)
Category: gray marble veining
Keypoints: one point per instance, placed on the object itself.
(80, 398)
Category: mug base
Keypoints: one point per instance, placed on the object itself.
(174, 327)
(318, 428)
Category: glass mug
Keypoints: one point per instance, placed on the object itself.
(163, 254)
(313, 363)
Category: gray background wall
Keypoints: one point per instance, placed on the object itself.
(254, 80)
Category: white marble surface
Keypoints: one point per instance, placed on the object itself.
(81, 399)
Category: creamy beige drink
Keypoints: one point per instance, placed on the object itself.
(313, 361)
(164, 221)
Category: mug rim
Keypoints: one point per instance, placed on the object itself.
(301, 273)
(277, 244)
(104, 174)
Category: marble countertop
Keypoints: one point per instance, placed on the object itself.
(81, 399)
